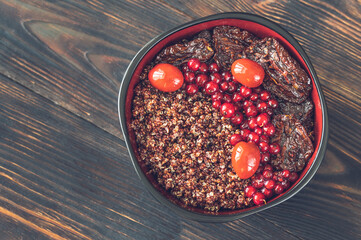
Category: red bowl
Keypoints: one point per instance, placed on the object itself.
(260, 27)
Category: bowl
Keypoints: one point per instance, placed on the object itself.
(260, 27)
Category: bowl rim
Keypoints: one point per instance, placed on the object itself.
(229, 217)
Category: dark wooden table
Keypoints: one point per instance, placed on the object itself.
(64, 170)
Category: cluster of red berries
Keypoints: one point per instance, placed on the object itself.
(265, 183)
(249, 108)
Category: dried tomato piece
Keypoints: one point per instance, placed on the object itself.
(286, 78)
(229, 44)
(296, 146)
(180, 53)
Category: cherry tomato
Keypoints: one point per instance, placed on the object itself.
(166, 77)
(248, 72)
(245, 159)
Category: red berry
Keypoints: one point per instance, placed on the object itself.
(227, 98)
(273, 103)
(293, 177)
(224, 86)
(189, 77)
(262, 119)
(253, 97)
(264, 138)
(246, 104)
(263, 146)
(226, 76)
(258, 130)
(215, 77)
(285, 184)
(267, 192)
(278, 189)
(191, 89)
(201, 79)
(264, 95)
(203, 68)
(262, 106)
(251, 111)
(259, 198)
(237, 118)
(269, 129)
(185, 68)
(244, 133)
(269, 184)
(245, 91)
(213, 68)
(286, 173)
(244, 125)
(211, 88)
(216, 104)
(194, 64)
(249, 191)
(253, 137)
(237, 105)
(236, 97)
(274, 148)
(227, 110)
(232, 87)
(268, 167)
(267, 174)
(265, 158)
(235, 138)
(217, 96)
(258, 181)
(252, 123)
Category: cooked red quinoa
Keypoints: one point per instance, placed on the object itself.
(185, 143)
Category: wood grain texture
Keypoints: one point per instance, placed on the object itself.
(64, 169)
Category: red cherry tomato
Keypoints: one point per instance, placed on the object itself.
(166, 77)
(248, 72)
(245, 159)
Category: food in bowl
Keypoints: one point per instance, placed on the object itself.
(218, 138)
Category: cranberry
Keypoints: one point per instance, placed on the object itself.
(258, 181)
(246, 104)
(189, 77)
(253, 137)
(235, 138)
(213, 68)
(227, 76)
(269, 129)
(227, 109)
(191, 89)
(216, 104)
(253, 97)
(245, 91)
(251, 111)
(217, 96)
(201, 79)
(194, 64)
(264, 138)
(269, 111)
(285, 173)
(262, 106)
(232, 87)
(237, 118)
(269, 184)
(236, 97)
(267, 192)
(274, 148)
(249, 191)
(224, 86)
(262, 119)
(244, 125)
(203, 68)
(273, 103)
(278, 189)
(267, 174)
(264, 95)
(227, 98)
(265, 158)
(244, 133)
(268, 167)
(258, 130)
(285, 184)
(237, 105)
(252, 123)
(293, 177)
(185, 68)
(259, 198)
(263, 146)
(215, 77)
(211, 88)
